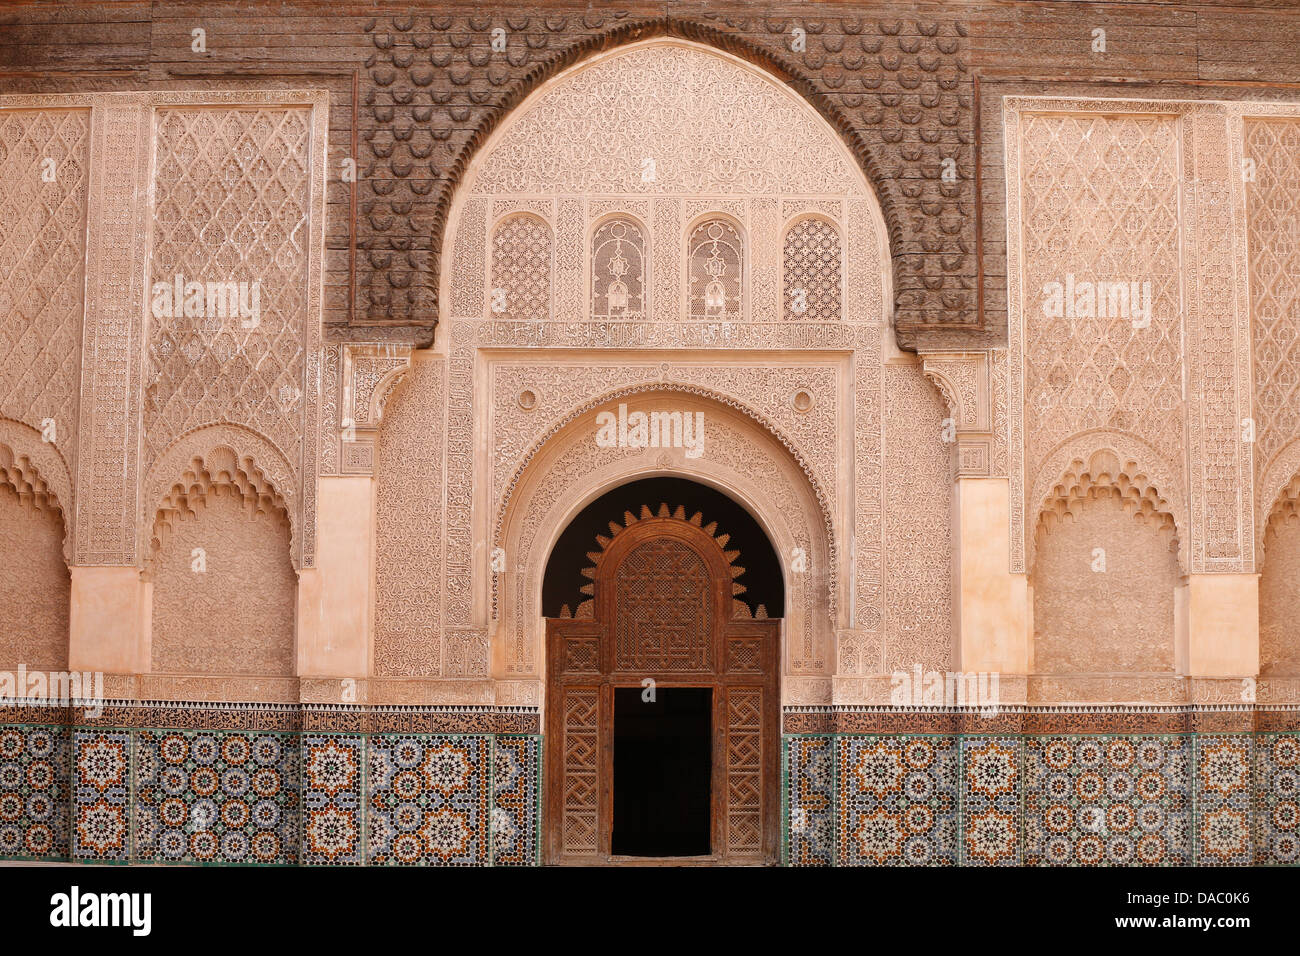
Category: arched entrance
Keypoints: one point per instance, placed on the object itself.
(663, 698)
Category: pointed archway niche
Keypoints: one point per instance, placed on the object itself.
(668, 228)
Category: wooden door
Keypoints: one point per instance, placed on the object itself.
(663, 607)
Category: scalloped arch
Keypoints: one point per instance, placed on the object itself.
(1279, 482)
(36, 468)
(1085, 463)
(219, 454)
(740, 610)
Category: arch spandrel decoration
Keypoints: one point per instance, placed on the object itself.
(647, 93)
(649, 150)
(745, 461)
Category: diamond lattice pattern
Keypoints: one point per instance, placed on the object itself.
(1100, 199)
(1274, 235)
(232, 201)
(43, 160)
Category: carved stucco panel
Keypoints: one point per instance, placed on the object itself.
(1109, 190)
(1140, 463)
(918, 492)
(502, 435)
(238, 198)
(109, 431)
(409, 519)
(1218, 346)
(44, 164)
(38, 464)
(634, 99)
(248, 446)
(861, 650)
(557, 390)
(1270, 143)
(114, 176)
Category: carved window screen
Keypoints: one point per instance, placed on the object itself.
(813, 271)
(521, 269)
(716, 262)
(618, 271)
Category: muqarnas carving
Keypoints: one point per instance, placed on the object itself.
(224, 588)
(1279, 588)
(1105, 570)
(35, 584)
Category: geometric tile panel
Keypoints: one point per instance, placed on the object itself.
(1277, 799)
(216, 797)
(34, 765)
(101, 780)
(1223, 798)
(427, 800)
(808, 791)
(1108, 801)
(897, 801)
(1050, 800)
(280, 798)
(990, 769)
(451, 799)
(516, 804)
(332, 771)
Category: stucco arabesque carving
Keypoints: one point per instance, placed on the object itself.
(255, 455)
(1177, 177)
(112, 455)
(743, 457)
(825, 501)
(403, 281)
(1139, 465)
(1275, 484)
(964, 381)
(369, 373)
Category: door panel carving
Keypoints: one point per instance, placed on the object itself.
(663, 607)
(662, 616)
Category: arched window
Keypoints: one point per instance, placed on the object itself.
(813, 267)
(521, 269)
(716, 262)
(618, 273)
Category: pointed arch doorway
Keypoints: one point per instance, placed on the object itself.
(662, 695)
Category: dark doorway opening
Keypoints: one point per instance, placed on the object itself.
(763, 580)
(662, 769)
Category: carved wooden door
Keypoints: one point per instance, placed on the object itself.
(663, 608)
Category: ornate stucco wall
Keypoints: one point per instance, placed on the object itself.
(314, 537)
